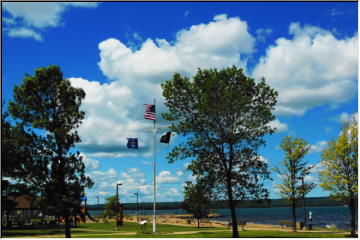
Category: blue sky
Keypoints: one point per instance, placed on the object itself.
(119, 53)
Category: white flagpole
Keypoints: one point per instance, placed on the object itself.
(154, 133)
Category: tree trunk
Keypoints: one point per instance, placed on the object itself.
(294, 215)
(75, 220)
(352, 216)
(230, 195)
(198, 222)
(67, 227)
(233, 212)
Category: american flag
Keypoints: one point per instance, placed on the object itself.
(150, 112)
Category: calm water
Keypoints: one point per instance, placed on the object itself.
(321, 216)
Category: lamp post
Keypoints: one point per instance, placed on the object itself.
(117, 205)
(303, 188)
(137, 206)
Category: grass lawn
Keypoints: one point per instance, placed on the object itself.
(132, 230)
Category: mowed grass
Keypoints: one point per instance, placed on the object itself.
(132, 230)
(90, 229)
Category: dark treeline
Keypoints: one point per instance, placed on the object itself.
(310, 202)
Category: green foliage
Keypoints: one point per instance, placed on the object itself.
(47, 108)
(224, 115)
(340, 168)
(293, 169)
(110, 206)
(16, 158)
(340, 164)
(197, 200)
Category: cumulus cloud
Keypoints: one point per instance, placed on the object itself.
(27, 16)
(262, 33)
(114, 110)
(112, 115)
(166, 177)
(219, 43)
(23, 32)
(89, 163)
(263, 159)
(311, 69)
(132, 180)
(345, 117)
(318, 147)
(280, 127)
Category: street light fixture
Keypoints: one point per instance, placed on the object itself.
(117, 205)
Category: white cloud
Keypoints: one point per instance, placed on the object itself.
(318, 147)
(133, 180)
(263, 159)
(114, 111)
(90, 163)
(103, 193)
(219, 43)
(9, 21)
(38, 15)
(345, 117)
(179, 173)
(166, 177)
(311, 69)
(24, 33)
(112, 115)
(309, 178)
(317, 168)
(186, 165)
(280, 127)
(261, 34)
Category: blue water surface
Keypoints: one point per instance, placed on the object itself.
(321, 216)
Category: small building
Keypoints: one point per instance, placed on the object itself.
(20, 212)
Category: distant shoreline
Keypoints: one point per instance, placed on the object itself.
(310, 202)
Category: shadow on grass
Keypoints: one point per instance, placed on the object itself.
(34, 231)
(351, 236)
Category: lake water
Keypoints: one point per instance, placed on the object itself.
(321, 216)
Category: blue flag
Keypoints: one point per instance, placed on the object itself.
(132, 143)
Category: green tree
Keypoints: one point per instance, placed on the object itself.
(340, 168)
(110, 206)
(224, 115)
(197, 200)
(293, 169)
(49, 107)
(17, 151)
